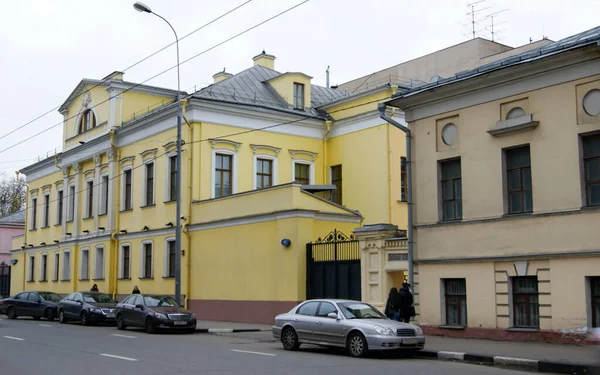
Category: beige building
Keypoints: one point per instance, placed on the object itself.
(506, 187)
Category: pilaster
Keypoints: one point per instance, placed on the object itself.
(97, 186)
(112, 188)
(66, 198)
(76, 214)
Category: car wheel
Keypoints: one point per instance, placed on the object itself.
(49, 314)
(61, 317)
(84, 319)
(357, 345)
(121, 323)
(150, 326)
(289, 339)
(11, 313)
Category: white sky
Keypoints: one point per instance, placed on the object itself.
(47, 47)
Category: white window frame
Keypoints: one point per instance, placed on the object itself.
(71, 203)
(42, 256)
(121, 269)
(145, 182)
(33, 212)
(311, 169)
(234, 173)
(166, 255)
(82, 265)
(125, 169)
(102, 196)
(46, 223)
(89, 215)
(168, 176)
(57, 217)
(30, 271)
(56, 270)
(255, 169)
(143, 259)
(99, 265)
(66, 265)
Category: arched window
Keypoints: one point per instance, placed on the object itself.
(87, 121)
(515, 112)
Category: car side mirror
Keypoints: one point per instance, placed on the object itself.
(332, 315)
(39, 301)
(141, 307)
(80, 302)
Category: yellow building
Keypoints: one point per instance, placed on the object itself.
(506, 190)
(266, 157)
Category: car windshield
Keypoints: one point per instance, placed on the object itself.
(97, 298)
(358, 310)
(52, 297)
(160, 301)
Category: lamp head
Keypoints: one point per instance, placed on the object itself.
(141, 7)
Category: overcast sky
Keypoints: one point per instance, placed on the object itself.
(47, 47)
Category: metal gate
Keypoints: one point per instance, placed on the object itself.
(4, 280)
(333, 267)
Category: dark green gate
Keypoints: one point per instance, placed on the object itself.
(4, 280)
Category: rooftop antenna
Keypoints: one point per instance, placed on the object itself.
(327, 77)
(491, 17)
(473, 12)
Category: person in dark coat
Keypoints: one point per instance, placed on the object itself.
(406, 303)
(392, 305)
(135, 290)
(94, 288)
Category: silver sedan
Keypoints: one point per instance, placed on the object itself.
(354, 325)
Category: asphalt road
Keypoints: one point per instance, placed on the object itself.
(38, 347)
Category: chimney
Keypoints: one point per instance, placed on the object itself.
(221, 76)
(263, 59)
(114, 76)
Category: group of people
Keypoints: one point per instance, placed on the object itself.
(136, 290)
(399, 305)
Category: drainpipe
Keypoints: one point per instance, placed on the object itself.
(113, 235)
(23, 258)
(390, 120)
(328, 125)
(184, 229)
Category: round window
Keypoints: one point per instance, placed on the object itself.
(591, 102)
(449, 133)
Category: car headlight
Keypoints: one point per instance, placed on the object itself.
(97, 311)
(193, 316)
(418, 331)
(160, 316)
(383, 331)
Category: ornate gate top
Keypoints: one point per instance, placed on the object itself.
(335, 236)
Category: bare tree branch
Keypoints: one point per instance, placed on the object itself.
(12, 195)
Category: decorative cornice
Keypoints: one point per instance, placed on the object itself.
(149, 154)
(276, 150)
(127, 159)
(169, 146)
(33, 191)
(111, 154)
(97, 160)
(58, 183)
(89, 173)
(312, 155)
(65, 171)
(76, 167)
(216, 141)
(46, 187)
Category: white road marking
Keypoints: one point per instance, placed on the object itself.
(118, 357)
(45, 325)
(129, 337)
(249, 352)
(13, 338)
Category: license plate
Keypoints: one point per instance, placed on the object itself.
(110, 315)
(179, 323)
(409, 341)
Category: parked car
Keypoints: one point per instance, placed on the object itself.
(37, 304)
(87, 307)
(154, 312)
(354, 325)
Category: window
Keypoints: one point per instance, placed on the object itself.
(56, 266)
(302, 173)
(264, 173)
(71, 213)
(59, 208)
(46, 222)
(455, 294)
(336, 179)
(87, 121)
(451, 190)
(89, 208)
(104, 196)
(518, 180)
(171, 259)
(591, 163)
(525, 302)
(146, 271)
(309, 308)
(325, 309)
(85, 264)
(99, 269)
(173, 178)
(223, 175)
(66, 274)
(44, 268)
(595, 301)
(34, 213)
(127, 201)
(403, 180)
(31, 275)
(125, 262)
(149, 191)
(298, 96)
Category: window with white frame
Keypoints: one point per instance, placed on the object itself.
(34, 213)
(66, 266)
(149, 183)
(71, 204)
(44, 267)
(60, 201)
(126, 195)
(223, 175)
(170, 258)
(84, 266)
(303, 172)
(89, 199)
(125, 262)
(31, 268)
(46, 211)
(171, 178)
(56, 272)
(99, 263)
(103, 208)
(146, 260)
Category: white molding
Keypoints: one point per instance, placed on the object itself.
(150, 233)
(102, 196)
(274, 165)
(46, 210)
(310, 154)
(56, 217)
(89, 215)
(166, 264)
(121, 259)
(234, 172)
(311, 169)
(81, 251)
(75, 130)
(216, 141)
(143, 259)
(170, 146)
(30, 262)
(42, 255)
(362, 122)
(148, 155)
(66, 266)
(145, 181)
(56, 270)
(33, 204)
(99, 275)
(168, 175)
(127, 161)
(122, 192)
(255, 148)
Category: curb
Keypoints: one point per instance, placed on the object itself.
(522, 363)
(230, 330)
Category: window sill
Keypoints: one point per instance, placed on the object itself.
(45, 227)
(70, 221)
(146, 278)
(43, 281)
(65, 280)
(88, 218)
(33, 230)
(148, 206)
(31, 281)
(518, 214)
(58, 225)
(522, 329)
(86, 279)
(126, 210)
(167, 202)
(402, 201)
(450, 221)
(590, 208)
(168, 277)
(100, 279)
(54, 281)
(124, 278)
(100, 215)
(454, 327)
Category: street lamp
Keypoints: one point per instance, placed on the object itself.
(141, 7)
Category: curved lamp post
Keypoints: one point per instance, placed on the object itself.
(141, 7)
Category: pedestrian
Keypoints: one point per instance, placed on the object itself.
(392, 304)
(94, 288)
(135, 290)
(406, 303)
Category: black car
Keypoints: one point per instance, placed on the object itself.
(37, 304)
(154, 312)
(87, 307)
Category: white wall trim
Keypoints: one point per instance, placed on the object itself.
(46, 210)
(362, 122)
(66, 265)
(99, 275)
(75, 129)
(57, 215)
(56, 270)
(143, 259)
(88, 215)
(42, 256)
(311, 165)
(121, 259)
(145, 182)
(166, 264)
(81, 263)
(102, 196)
(122, 193)
(71, 198)
(274, 166)
(234, 172)
(30, 263)
(168, 174)
(150, 233)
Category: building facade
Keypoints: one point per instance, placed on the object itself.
(506, 180)
(10, 226)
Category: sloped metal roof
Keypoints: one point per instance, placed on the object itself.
(14, 219)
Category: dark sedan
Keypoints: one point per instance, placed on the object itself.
(32, 303)
(154, 312)
(87, 307)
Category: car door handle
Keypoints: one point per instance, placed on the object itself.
(319, 322)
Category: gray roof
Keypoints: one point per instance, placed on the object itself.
(591, 36)
(250, 87)
(14, 219)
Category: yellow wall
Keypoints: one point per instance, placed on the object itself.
(136, 104)
(359, 106)
(53, 232)
(99, 105)
(284, 85)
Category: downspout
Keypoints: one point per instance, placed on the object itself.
(328, 125)
(23, 260)
(390, 120)
(113, 235)
(184, 230)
